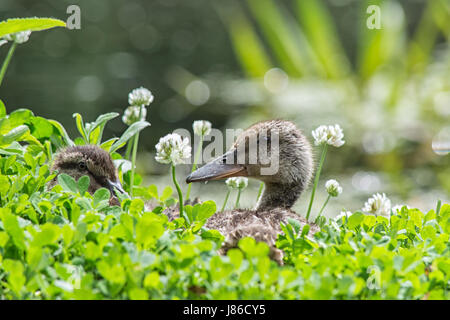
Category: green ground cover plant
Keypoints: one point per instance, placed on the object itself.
(65, 243)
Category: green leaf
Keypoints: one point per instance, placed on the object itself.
(12, 227)
(138, 294)
(206, 210)
(213, 235)
(128, 134)
(153, 191)
(296, 224)
(41, 128)
(20, 116)
(4, 184)
(167, 192)
(96, 130)
(16, 278)
(152, 280)
(49, 234)
(62, 132)
(355, 220)
(23, 24)
(83, 184)
(136, 207)
(101, 194)
(2, 109)
(80, 126)
(114, 274)
(305, 230)
(67, 182)
(108, 144)
(13, 135)
(148, 230)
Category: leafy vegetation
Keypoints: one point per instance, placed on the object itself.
(65, 243)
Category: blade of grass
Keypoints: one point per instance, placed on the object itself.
(378, 47)
(280, 37)
(424, 39)
(246, 43)
(321, 32)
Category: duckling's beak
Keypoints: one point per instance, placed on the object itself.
(115, 185)
(217, 169)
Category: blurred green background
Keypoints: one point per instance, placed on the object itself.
(236, 62)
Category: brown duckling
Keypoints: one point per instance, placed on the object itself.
(283, 187)
(91, 161)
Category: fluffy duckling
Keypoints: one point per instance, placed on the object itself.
(287, 148)
(96, 163)
(91, 161)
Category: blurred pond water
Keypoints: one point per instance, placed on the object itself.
(241, 61)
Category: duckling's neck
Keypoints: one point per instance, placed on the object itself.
(278, 195)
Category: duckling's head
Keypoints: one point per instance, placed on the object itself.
(91, 161)
(275, 152)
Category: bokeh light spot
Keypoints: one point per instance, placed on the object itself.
(197, 92)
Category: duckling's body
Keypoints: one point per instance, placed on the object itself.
(263, 226)
(282, 188)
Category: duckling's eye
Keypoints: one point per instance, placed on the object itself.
(82, 165)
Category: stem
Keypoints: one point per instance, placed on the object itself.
(323, 207)
(180, 194)
(316, 180)
(194, 165)
(438, 207)
(128, 152)
(133, 160)
(237, 199)
(226, 200)
(261, 186)
(7, 60)
(99, 142)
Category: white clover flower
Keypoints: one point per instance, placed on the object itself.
(237, 182)
(18, 37)
(398, 208)
(131, 115)
(345, 214)
(331, 135)
(140, 97)
(333, 188)
(201, 127)
(172, 148)
(378, 204)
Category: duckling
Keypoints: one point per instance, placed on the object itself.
(91, 161)
(282, 187)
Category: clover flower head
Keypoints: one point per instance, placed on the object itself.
(172, 148)
(331, 135)
(18, 37)
(378, 204)
(343, 213)
(140, 97)
(131, 114)
(333, 188)
(237, 182)
(201, 127)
